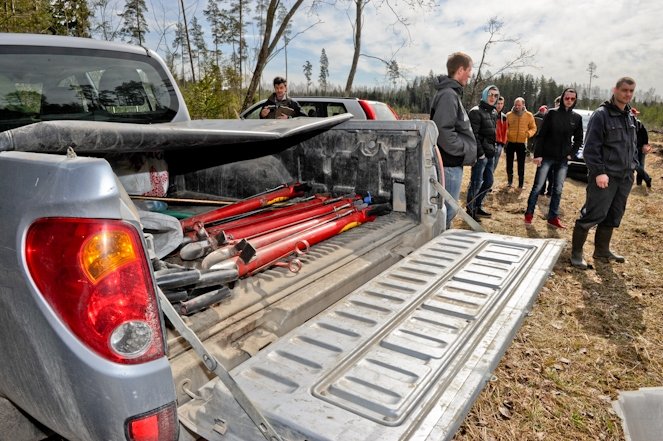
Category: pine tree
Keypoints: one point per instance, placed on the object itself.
(70, 17)
(308, 73)
(134, 25)
(324, 70)
(25, 16)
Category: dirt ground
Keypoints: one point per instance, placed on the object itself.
(590, 334)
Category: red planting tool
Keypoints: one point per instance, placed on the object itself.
(245, 248)
(267, 198)
(269, 255)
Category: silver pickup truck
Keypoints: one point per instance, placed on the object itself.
(387, 331)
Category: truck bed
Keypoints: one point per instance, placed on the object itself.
(267, 305)
(402, 356)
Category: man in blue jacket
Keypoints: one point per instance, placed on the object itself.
(455, 139)
(611, 156)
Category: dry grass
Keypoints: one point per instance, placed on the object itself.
(590, 334)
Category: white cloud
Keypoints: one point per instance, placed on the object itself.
(620, 36)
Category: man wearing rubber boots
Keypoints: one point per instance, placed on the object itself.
(611, 156)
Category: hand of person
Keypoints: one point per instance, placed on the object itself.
(482, 157)
(646, 149)
(537, 161)
(602, 181)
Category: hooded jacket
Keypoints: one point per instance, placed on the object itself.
(455, 139)
(611, 141)
(561, 133)
(483, 118)
(521, 126)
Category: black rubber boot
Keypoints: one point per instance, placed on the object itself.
(577, 242)
(602, 245)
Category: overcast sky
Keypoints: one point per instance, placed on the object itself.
(621, 37)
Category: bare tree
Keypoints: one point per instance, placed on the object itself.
(393, 70)
(269, 44)
(523, 58)
(357, 25)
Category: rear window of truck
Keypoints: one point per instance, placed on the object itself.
(47, 84)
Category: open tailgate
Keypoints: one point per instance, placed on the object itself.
(402, 357)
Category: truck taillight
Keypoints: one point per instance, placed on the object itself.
(94, 274)
(159, 425)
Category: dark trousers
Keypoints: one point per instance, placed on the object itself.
(642, 175)
(605, 206)
(517, 149)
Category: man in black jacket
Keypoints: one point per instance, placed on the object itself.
(483, 118)
(279, 105)
(611, 155)
(560, 137)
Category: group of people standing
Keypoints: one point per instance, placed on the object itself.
(477, 138)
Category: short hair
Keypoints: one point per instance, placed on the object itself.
(501, 98)
(280, 80)
(456, 61)
(624, 80)
(520, 98)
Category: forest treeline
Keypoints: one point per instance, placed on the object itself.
(213, 70)
(415, 98)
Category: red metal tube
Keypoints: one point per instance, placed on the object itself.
(316, 201)
(263, 240)
(273, 252)
(280, 222)
(264, 199)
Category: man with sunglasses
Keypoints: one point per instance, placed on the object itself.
(611, 155)
(559, 140)
(483, 118)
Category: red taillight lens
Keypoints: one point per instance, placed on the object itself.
(368, 109)
(159, 425)
(94, 274)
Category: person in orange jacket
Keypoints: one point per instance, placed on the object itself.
(521, 127)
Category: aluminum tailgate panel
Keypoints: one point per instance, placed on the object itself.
(402, 357)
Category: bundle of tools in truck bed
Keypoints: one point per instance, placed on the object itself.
(248, 236)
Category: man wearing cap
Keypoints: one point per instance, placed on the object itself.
(611, 155)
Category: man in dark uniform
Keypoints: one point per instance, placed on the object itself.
(279, 105)
(611, 156)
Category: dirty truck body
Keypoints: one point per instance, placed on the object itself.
(388, 330)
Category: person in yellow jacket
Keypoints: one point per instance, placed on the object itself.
(521, 127)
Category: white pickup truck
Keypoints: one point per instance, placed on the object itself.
(387, 331)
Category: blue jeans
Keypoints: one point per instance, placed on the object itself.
(476, 180)
(487, 186)
(453, 177)
(498, 153)
(559, 169)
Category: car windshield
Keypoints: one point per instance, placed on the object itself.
(46, 84)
